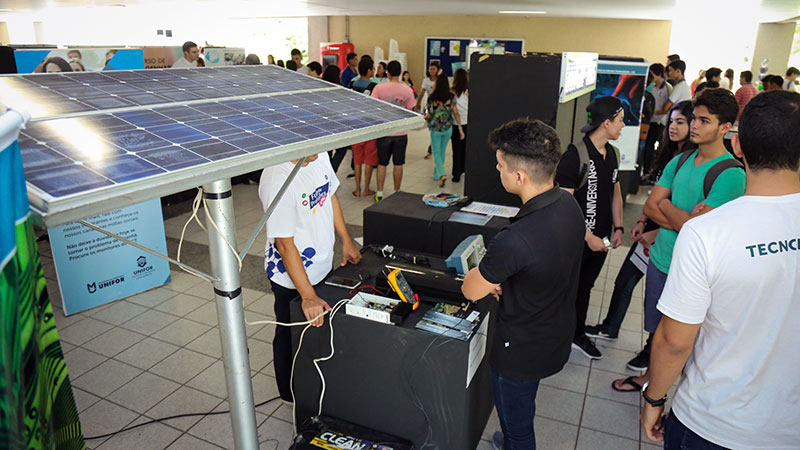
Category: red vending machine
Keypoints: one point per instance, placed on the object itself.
(335, 53)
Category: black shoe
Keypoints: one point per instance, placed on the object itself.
(599, 331)
(587, 347)
(640, 361)
(456, 179)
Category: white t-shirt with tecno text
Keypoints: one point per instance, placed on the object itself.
(305, 213)
(736, 271)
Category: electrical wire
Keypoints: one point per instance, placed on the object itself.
(177, 416)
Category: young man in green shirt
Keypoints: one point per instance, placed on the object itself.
(680, 196)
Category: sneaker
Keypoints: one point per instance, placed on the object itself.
(587, 347)
(497, 440)
(378, 197)
(639, 362)
(600, 332)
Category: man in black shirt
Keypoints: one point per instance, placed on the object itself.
(593, 180)
(534, 264)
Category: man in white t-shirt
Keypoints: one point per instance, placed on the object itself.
(732, 301)
(190, 56)
(680, 89)
(299, 252)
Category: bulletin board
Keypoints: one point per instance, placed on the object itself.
(452, 51)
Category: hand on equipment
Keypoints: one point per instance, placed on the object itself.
(350, 254)
(314, 307)
(596, 244)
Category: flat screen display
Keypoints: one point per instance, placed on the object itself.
(578, 75)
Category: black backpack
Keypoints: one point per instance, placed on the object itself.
(713, 173)
(648, 107)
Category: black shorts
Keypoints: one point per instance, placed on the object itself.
(394, 146)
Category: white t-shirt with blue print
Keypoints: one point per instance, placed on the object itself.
(305, 213)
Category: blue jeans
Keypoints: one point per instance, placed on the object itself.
(678, 437)
(627, 279)
(653, 287)
(515, 401)
(439, 141)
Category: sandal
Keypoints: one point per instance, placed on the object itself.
(627, 382)
(356, 193)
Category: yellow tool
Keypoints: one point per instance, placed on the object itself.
(401, 287)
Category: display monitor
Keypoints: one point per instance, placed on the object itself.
(578, 75)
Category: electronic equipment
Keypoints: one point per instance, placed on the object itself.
(342, 282)
(444, 200)
(401, 287)
(321, 432)
(467, 255)
(372, 307)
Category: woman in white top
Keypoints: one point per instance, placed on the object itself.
(461, 93)
(726, 82)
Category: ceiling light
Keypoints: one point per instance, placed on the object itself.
(522, 12)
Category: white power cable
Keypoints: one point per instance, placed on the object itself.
(213, 224)
(195, 207)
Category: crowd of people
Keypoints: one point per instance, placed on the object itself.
(717, 235)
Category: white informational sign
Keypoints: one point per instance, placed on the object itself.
(477, 349)
(641, 257)
(94, 269)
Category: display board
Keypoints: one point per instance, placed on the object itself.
(223, 56)
(627, 81)
(36, 400)
(78, 59)
(452, 54)
(107, 156)
(161, 57)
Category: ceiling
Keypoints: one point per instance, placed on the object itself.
(767, 10)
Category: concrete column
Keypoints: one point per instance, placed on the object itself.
(317, 33)
(5, 39)
(774, 43)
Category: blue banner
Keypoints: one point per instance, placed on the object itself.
(94, 268)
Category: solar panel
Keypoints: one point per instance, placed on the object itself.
(57, 94)
(126, 148)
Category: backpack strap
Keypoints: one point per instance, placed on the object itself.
(683, 158)
(583, 158)
(715, 171)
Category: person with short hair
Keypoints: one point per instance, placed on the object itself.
(300, 247)
(714, 74)
(772, 83)
(291, 65)
(252, 60)
(746, 92)
(190, 56)
(790, 80)
(314, 69)
(364, 153)
(680, 195)
(351, 71)
(297, 57)
(732, 300)
(680, 90)
(394, 146)
(661, 91)
(280, 63)
(533, 264)
(595, 186)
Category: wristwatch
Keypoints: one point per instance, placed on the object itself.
(619, 229)
(649, 400)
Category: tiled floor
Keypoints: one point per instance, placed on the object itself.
(158, 353)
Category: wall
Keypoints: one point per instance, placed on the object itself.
(317, 33)
(773, 42)
(643, 38)
(4, 37)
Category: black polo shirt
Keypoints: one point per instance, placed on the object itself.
(536, 259)
(596, 196)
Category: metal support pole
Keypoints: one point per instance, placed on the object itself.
(230, 312)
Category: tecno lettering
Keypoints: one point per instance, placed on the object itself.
(771, 248)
